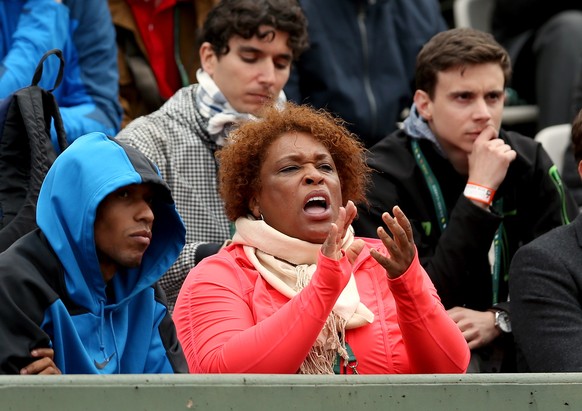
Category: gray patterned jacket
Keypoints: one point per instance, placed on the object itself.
(176, 140)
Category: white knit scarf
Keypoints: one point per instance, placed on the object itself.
(288, 264)
(213, 105)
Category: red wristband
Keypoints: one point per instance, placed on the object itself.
(479, 193)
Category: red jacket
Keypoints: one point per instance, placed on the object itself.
(229, 320)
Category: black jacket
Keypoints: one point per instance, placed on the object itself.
(546, 301)
(534, 201)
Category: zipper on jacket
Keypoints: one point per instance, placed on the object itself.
(366, 78)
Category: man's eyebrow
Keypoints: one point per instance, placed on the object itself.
(251, 49)
(461, 93)
(472, 92)
(286, 56)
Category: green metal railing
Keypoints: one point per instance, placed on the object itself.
(474, 392)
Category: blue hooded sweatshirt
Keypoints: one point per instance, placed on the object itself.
(53, 290)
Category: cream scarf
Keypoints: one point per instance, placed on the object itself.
(288, 264)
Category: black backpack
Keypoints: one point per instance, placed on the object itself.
(26, 151)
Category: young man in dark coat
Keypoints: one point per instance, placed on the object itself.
(473, 192)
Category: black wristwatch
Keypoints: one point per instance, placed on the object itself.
(502, 321)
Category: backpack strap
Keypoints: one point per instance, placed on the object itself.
(38, 72)
(50, 102)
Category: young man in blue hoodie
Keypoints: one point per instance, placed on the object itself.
(79, 294)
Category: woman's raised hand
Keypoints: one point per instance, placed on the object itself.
(400, 245)
(331, 248)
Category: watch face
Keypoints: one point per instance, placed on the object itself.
(504, 322)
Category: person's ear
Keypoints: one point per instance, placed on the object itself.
(580, 168)
(254, 207)
(207, 58)
(423, 104)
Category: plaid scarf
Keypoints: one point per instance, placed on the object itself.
(212, 104)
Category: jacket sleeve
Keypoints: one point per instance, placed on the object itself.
(448, 259)
(20, 329)
(466, 240)
(546, 313)
(433, 342)
(89, 95)
(217, 327)
(42, 25)
(174, 360)
(457, 259)
(542, 202)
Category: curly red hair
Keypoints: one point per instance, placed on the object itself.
(242, 157)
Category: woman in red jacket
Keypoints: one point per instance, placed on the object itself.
(295, 292)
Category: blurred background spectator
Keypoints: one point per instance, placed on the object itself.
(82, 29)
(544, 40)
(157, 50)
(360, 64)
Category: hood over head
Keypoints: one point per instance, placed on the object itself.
(92, 167)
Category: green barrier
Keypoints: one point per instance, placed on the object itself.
(474, 392)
